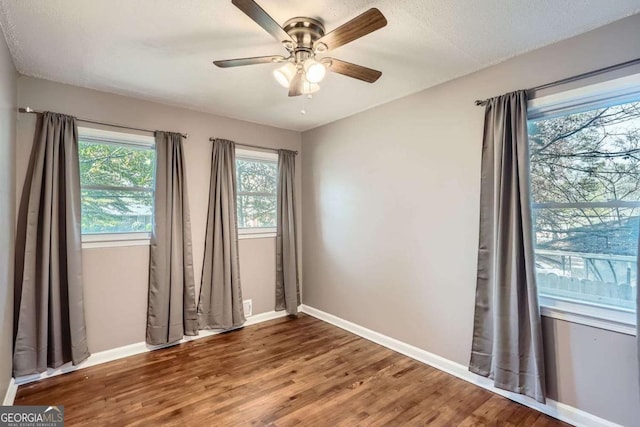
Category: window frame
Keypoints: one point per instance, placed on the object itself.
(598, 95)
(130, 238)
(264, 156)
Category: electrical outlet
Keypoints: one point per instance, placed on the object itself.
(248, 307)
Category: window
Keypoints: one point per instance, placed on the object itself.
(116, 184)
(585, 183)
(257, 175)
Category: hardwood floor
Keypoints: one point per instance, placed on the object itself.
(284, 372)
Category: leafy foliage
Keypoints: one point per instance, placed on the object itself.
(584, 168)
(587, 157)
(117, 187)
(257, 186)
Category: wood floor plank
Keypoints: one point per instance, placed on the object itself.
(285, 372)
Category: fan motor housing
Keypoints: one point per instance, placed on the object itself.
(304, 31)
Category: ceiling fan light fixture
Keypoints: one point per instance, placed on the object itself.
(314, 70)
(284, 74)
(304, 38)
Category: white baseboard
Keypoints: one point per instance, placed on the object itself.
(126, 351)
(10, 395)
(554, 409)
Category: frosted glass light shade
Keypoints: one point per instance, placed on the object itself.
(284, 74)
(314, 70)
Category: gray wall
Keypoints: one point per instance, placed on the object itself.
(8, 98)
(390, 234)
(115, 279)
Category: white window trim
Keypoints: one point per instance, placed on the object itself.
(614, 91)
(242, 153)
(256, 233)
(111, 240)
(597, 316)
(129, 139)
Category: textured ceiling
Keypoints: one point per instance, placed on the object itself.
(162, 50)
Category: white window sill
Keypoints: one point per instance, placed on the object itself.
(257, 233)
(270, 235)
(112, 240)
(602, 317)
(90, 241)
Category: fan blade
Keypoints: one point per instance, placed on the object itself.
(262, 18)
(359, 72)
(295, 86)
(249, 61)
(360, 26)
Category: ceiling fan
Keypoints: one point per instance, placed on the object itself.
(304, 38)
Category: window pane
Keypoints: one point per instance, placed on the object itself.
(256, 211)
(257, 182)
(116, 187)
(109, 211)
(115, 165)
(588, 254)
(587, 157)
(585, 177)
(256, 176)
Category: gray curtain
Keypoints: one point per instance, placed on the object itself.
(287, 282)
(171, 307)
(220, 303)
(507, 334)
(49, 326)
(638, 303)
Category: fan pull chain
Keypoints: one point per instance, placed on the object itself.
(303, 110)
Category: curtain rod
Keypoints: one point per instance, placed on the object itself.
(252, 146)
(576, 77)
(29, 110)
